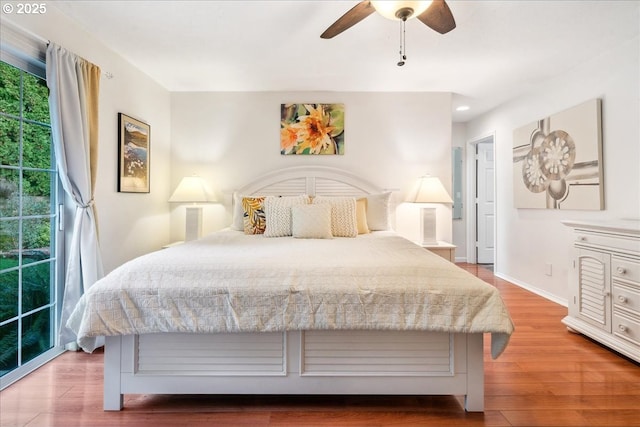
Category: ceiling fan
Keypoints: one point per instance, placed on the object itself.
(434, 14)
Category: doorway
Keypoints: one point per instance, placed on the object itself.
(481, 227)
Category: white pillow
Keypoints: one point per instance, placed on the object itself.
(237, 213)
(343, 215)
(378, 211)
(311, 221)
(278, 214)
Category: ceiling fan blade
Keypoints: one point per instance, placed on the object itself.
(349, 19)
(438, 16)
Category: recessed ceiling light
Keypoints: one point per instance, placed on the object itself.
(462, 108)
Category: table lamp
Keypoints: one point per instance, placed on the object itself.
(194, 190)
(428, 189)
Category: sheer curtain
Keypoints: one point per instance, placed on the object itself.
(74, 85)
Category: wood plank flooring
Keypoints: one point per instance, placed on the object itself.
(546, 377)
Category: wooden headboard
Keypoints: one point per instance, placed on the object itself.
(311, 180)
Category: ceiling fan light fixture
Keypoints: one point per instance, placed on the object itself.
(399, 10)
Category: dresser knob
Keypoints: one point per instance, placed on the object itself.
(623, 328)
(622, 299)
(621, 270)
(582, 239)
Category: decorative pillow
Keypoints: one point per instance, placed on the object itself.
(278, 214)
(254, 217)
(343, 215)
(378, 211)
(361, 216)
(311, 221)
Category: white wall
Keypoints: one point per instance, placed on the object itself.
(527, 239)
(129, 224)
(231, 138)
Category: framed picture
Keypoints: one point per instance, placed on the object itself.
(557, 160)
(311, 129)
(134, 146)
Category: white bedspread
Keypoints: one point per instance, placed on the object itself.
(231, 282)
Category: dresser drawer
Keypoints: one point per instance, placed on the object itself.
(625, 269)
(626, 327)
(624, 244)
(626, 297)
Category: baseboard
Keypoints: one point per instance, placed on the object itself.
(533, 289)
(461, 259)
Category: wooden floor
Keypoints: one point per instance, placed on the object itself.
(546, 377)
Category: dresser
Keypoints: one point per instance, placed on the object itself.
(604, 284)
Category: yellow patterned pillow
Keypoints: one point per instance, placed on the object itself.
(254, 218)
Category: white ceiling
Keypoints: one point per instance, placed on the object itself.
(499, 49)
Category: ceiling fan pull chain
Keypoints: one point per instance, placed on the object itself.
(403, 43)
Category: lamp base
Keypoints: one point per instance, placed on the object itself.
(428, 226)
(193, 221)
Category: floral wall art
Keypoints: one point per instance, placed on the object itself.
(311, 129)
(557, 160)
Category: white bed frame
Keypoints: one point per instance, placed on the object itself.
(297, 362)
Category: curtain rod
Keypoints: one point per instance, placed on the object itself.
(46, 42)
(26, 32)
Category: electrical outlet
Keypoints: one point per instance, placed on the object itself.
(548, 269)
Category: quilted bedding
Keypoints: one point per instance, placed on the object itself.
(232, 282)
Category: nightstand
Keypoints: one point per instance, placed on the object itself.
(444, 249)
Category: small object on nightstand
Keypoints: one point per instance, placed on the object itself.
(444, 249)
(170, 245)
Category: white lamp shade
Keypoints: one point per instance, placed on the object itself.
(429, 189)
(388, 8)
(192, 189)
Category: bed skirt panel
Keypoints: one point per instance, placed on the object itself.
(311, 362)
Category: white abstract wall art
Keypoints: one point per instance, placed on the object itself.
(557, 161)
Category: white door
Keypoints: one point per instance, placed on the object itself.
(485, 216)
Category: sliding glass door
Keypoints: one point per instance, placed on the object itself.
(29, 231)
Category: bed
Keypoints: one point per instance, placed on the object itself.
(233, 313)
